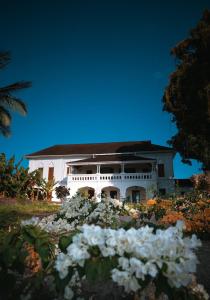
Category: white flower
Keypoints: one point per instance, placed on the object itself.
(33, 221)
(123, 262)
(93, 234)
(124, 279)
(68, 293)
(62, 263)
(140, 252)
(78, 254)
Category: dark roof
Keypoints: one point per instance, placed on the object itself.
(101, 158)
(115, 147)
(183, 182)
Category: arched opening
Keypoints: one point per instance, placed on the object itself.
(135, 194)
(110, 192)
(87, 192)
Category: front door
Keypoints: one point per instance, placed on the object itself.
(135, 196)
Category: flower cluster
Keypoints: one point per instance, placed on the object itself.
(140, 253)
(78, 211)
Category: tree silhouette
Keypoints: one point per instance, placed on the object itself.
(187, 96)
(8, 102)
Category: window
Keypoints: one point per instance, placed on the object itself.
(41, 170)
(161, 171)
(89, 172)
(162, 192)
(50, 173)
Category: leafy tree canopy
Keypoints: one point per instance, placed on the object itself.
(187, 97)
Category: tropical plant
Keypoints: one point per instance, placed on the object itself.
(15, 180)
(25, 257)
(8, 101)
(47, 187)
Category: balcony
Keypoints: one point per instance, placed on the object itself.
(111, 177)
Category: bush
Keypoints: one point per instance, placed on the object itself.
(61, 192)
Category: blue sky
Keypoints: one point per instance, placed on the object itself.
(98, 70)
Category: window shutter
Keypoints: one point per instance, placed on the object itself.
(50, 173)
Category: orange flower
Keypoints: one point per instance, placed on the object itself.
(151, 202)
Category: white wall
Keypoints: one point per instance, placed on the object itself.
(59, 164)
(60, 173)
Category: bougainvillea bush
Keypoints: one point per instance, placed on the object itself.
(77, 211)
(133, 259)
(100, 263)
(82, 252)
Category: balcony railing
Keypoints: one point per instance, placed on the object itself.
(114, 177)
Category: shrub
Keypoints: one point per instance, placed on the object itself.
(61, 192)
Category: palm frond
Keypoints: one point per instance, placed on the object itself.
(5, 117)
(4, 59)
(13, 103)
(15, 87)
(5, 131)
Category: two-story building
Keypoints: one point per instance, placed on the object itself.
(122, 170)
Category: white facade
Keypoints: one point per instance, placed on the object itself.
(135, 178)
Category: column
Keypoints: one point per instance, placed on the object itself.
(98, 169)
(122, 194)
(122, 168)
(98, 194)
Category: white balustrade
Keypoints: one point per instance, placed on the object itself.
(114, 177)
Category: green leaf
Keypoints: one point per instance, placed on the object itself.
(99, 269)
(65, 241)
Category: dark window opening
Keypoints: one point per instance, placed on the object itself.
(90, 194)
(135, 196)
(162, 192)
(161, 171)
(130, 170)
(113, 194)
(89, 172)
(106, 170)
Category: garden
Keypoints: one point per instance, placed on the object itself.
(85, 249)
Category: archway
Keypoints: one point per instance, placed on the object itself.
(111, 192)
(87, 192)
(136, 194)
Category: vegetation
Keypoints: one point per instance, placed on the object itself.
(8, 101)
(15, 180)
(187, 96)
(12, 214)
(103, 261)
(61, 192)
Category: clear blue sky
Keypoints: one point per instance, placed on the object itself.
(98, 69)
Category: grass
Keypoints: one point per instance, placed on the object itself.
(12, 214)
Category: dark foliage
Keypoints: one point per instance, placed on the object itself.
(187, 96)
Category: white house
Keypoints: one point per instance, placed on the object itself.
(123, 170)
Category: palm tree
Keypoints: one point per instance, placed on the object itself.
(8, 102)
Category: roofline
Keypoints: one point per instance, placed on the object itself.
(116, 153)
